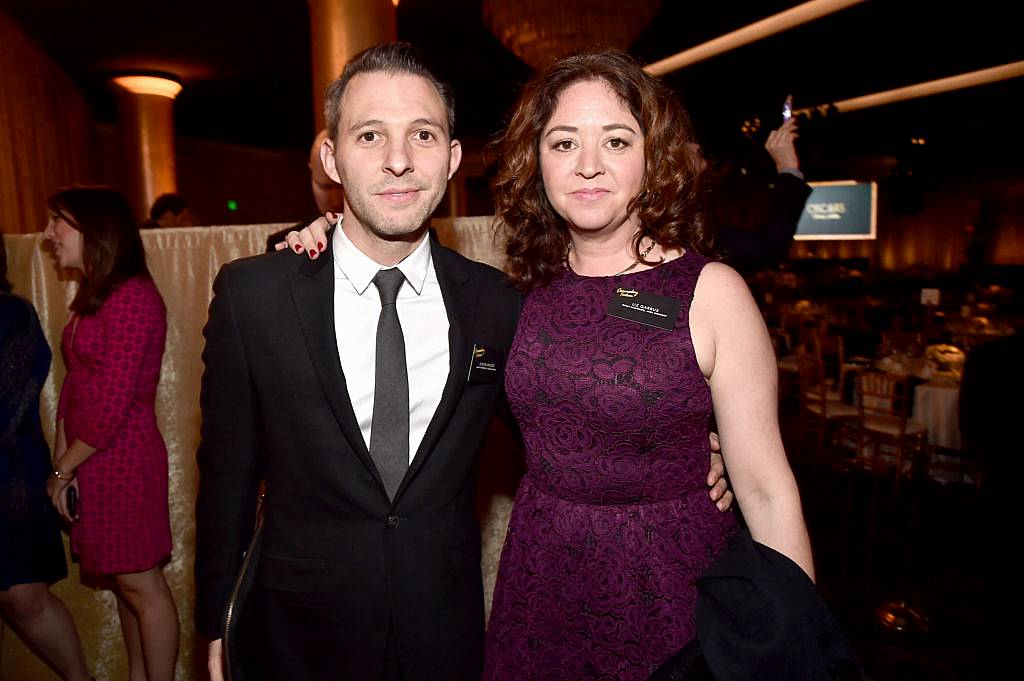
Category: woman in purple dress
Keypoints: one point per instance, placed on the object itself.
(108, 447)
(629, 337)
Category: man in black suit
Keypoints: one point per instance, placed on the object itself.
(369, 566)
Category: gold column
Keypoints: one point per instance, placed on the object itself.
(339, 29)
(145, 122)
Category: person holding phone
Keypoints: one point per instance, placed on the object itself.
(754, 234)
(108, 447)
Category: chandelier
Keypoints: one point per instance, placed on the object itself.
(540, 31)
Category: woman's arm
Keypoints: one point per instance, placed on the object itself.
(60, 442)
(65, 461)
(72, 458)
(735, 354)
(63, 476)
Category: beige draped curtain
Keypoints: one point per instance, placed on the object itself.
(184, 262)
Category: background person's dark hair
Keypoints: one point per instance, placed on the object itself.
(669, 204)
(112, 250)
(174, 203)
(5, 284)
(390, 58)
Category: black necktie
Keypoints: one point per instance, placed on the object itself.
(389, 429)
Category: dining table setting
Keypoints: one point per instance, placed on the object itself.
(925, 344)
(934, 376)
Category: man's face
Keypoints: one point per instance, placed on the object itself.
(392, 155)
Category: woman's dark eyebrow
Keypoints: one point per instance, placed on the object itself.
(574, 129)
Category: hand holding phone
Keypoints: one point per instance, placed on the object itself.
(780, 145)
(73, 501)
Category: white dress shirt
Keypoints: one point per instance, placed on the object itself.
(424, 320)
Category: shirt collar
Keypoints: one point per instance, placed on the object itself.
(360, 269)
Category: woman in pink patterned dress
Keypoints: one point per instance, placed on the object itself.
(108, 446)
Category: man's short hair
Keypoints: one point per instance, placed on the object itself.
(390, 58)
(167, 202)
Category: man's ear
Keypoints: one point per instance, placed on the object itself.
(327, 158)
(455, 159)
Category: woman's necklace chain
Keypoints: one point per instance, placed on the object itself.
(635, 262)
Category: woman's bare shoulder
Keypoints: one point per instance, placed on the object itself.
(720, 286)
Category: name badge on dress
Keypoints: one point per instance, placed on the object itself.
(646, 308)
(485, 366)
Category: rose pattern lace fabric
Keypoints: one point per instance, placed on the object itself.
(612, 523)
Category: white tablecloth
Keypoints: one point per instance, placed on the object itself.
(935, 405)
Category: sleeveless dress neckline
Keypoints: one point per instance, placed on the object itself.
(685, 254)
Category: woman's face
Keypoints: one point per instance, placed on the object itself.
(592, 158)
(66, 240)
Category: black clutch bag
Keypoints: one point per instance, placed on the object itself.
(237, 646)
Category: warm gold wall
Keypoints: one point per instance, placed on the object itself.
(270, 185)
(48, 139)
(46, 131)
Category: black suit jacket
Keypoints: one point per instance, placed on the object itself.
(340, 563)
(769, 243)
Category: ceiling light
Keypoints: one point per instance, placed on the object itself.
(783, 21)
(149, 85)
(931, 87)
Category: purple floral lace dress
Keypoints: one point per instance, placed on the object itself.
(612, 523)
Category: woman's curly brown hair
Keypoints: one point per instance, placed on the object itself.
(668, 204)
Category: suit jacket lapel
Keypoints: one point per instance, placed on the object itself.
(460, 304)
(313, 294)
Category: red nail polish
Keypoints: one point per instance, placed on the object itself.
(312, 253)
(298, 249)
(320, 246)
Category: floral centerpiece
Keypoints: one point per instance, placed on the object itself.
(945, 361)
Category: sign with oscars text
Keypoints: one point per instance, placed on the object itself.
(839, 210)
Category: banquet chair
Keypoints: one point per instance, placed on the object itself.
(822, 410)
(885, 438)
(780, 340)
(823, 419)
(830, 349)
(889, 442)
